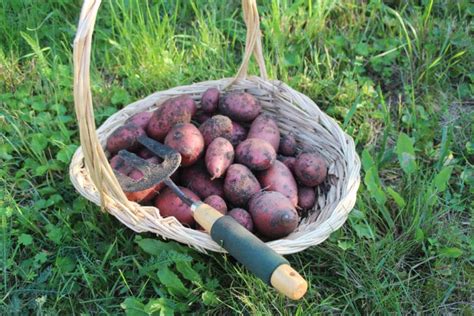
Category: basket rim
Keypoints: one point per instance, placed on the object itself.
(205, 243)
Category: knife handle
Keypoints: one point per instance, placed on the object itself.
(254, 254)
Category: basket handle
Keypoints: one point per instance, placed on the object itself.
(95, 160)
(253, 41)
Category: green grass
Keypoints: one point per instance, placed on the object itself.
(398, 77)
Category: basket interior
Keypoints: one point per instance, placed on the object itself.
(294, 112)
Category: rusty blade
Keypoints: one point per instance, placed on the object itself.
(152, 173)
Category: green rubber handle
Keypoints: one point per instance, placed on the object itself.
(241, 244)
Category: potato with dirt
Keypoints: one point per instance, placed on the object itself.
(240, 185)
(188, 103)
(287, 145)
(200, 117)
(186, 139)
(217, 202)
(280, 179)
(140, 119)
(170, 204)
(197, 179)
(239, 133)
(265, 127)
(256, 154)
(171, 112)
(273, 214)
(240, 106)
(310, 169)
(306, 197)
(216, 126)
(210, 100)
(288, 161)
(145, 153)
(219, 156)
(124, 137)
(242, 217)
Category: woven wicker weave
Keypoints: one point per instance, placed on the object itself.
(93, 177)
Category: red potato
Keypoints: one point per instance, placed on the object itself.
(124, 137)
(216, 202)
(310, 169)
(197, 179)
(257, 154)
(140, 119)
(219, 156)
(273, 214)
(287, 145)
(240, 184)
(188, 103)
(265, 127)
(240, 106)
(201, 117)
(242, 217)
(306, 197)
(288, 161)
(170, 204)
(171, 112)
(154, 160)
(145, 153)
(186, 139)
(210, 100)
(280, 179)
(216, 126)
(239, 133)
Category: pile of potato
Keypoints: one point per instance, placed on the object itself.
(233, 158)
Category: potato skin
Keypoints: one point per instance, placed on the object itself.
(287, 145)
(306, 197)
(171, 112)
(289, 162)
(210, 100)
(188, 141)
(240, 185)
(197, 179)
(140, 119)
(201, 117)
(187, 102)
(170, 204)
(310, 169)
(240, 106)
(265, 127)
(280, 179)
(124, 137)
(255, 153)
(216, 126)
(273, 214)
(217, 202)
(219, 156)
(239, 133)
(242, 217)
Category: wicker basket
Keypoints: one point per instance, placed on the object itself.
(93, 177)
